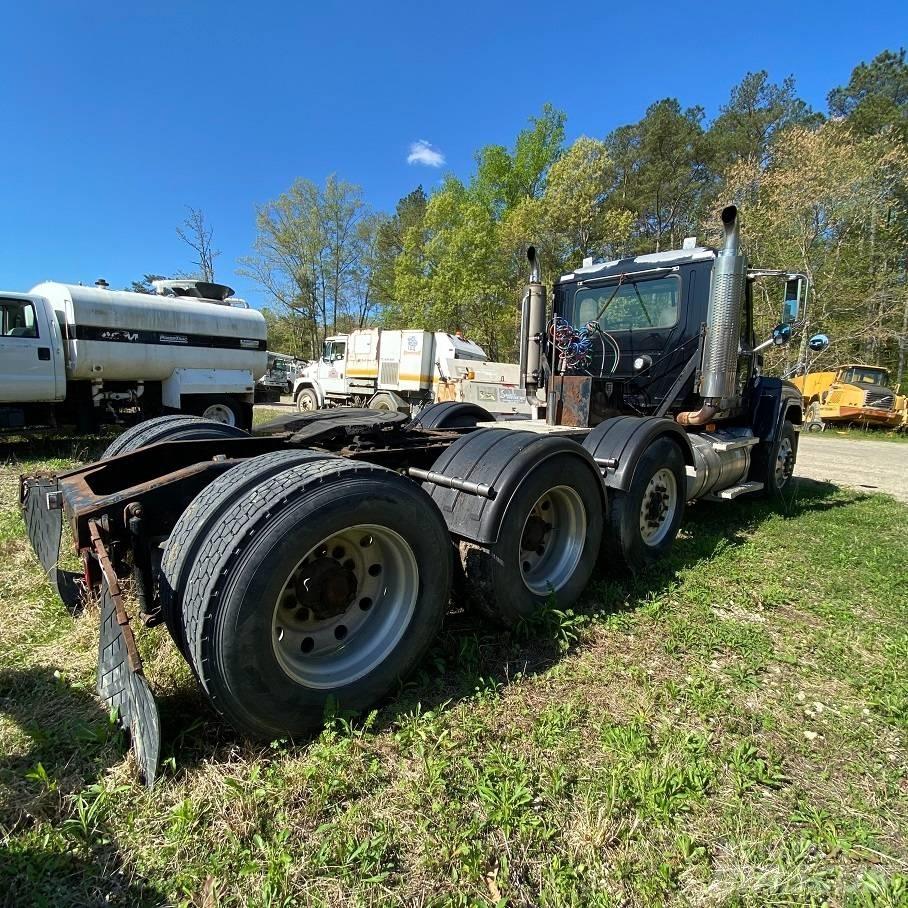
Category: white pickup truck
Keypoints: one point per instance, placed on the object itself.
(83, 355)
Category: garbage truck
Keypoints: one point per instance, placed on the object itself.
(307, 567)
(391, 369)
(82, 355)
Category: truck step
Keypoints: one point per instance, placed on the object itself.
(748, 441)
(734, 491)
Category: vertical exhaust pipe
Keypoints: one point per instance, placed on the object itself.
(719, 366)
(532, 326)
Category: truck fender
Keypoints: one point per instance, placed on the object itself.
(309, 383)
(500, 460)
(617, 444)
(774, 401)
(187, 382)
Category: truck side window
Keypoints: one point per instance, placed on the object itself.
(340, 348)
(17, 318)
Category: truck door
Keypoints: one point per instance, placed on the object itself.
(27, 347)
(333, 367)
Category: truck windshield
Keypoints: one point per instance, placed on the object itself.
(632, 305)
(865, 375)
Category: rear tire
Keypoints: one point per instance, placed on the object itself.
(177, 427)
(547, 544)
(644, 519)
(326, 551)
(202, 514)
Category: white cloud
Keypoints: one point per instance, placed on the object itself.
(423, 152)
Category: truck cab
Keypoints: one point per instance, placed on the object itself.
(31, 356)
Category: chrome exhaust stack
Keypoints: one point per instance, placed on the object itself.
(719, 366)
(532, 327)
(718, 380)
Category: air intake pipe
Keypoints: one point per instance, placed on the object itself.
(719, 366)
(532, 327)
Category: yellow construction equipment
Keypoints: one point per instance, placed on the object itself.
(854, 394)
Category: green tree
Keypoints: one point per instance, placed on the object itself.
(661, 172)
(876, 96)
(309, 254)
(756, 112)
(816, 208)
(410, 213)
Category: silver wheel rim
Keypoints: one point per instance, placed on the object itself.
(345, 606)
(784, 462)
(659, 505)
(305, 403)
(220, 413)
(552, 540)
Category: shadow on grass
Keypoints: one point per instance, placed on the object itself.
(55, 844)
(472, 653)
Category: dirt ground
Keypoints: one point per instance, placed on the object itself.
(872, 466)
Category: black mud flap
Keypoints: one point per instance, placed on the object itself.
(43, 524)
(121, 682)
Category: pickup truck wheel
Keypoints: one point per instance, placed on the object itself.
(644, 519)
(177, 427)
(306, 400)
(780, 463)
(202, 514)
(547, 544)
(311, 592)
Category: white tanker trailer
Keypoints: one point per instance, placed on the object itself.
(82, 355)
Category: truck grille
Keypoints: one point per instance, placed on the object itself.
(389, 373)
(882, 400)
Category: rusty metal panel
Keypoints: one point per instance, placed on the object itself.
(572, 407)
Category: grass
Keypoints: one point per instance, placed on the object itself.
(727, 730)
(855, 434)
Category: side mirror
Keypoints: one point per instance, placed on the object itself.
(794, 300)
(781, 335)
(818, 343)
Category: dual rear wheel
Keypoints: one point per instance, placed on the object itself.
(299, 587)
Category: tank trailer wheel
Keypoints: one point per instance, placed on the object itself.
(176, 427)
(309, 591)
(222, 411)
(547, 544)
(306, 400)
(644, 520)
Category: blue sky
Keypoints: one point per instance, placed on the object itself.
(115, 116)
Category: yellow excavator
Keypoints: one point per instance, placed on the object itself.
(853, 394)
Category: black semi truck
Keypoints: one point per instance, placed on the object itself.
(311, 562)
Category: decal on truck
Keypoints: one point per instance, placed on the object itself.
(137, 336)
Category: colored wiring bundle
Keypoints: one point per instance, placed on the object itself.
(575, 345)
